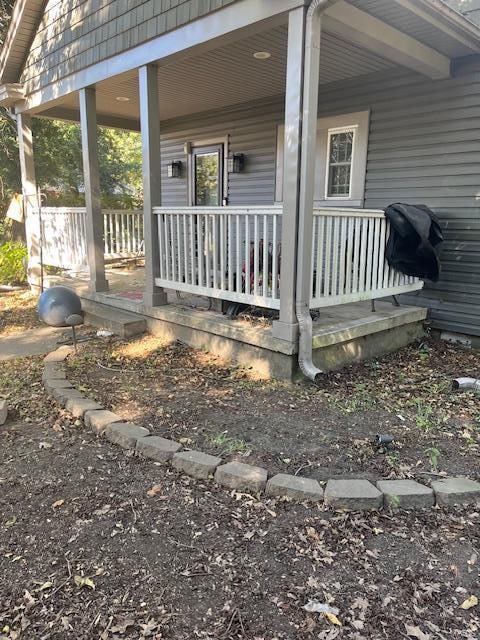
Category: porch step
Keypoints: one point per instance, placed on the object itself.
(122, 323)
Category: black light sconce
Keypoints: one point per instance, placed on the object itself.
(174, 169)
(236, 163)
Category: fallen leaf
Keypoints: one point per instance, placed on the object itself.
(58, 503)
(102, 511)
(44, 586)
(416, 632)
(154, 490)
(121, 627)
(80, 581)
(470, 602)
(332, 618)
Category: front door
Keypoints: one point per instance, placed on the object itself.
(207, 176)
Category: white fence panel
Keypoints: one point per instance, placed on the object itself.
(64, 235)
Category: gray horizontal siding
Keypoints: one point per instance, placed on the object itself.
(251, 131)
(74, 34)
(424, 146)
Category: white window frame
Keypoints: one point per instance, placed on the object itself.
(331, 132)
(360, 123)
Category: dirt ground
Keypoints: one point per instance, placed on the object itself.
(320, 432)
(17, 311)
(89, 551)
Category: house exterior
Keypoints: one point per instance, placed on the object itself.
(274, 132)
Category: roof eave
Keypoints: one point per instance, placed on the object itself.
(11, 93)
(455, 20)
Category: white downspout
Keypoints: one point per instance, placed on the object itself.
(307, 179)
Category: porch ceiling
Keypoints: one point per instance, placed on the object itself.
(222, 77)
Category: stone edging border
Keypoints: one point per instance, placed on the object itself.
(350, 494)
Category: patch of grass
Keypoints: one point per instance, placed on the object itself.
(434, 455)
(424, 351)
(392, 458)
(424, 414)
(227, 444)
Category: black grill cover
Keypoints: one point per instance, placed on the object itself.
(414, 234)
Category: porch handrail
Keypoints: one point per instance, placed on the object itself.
(234, 253)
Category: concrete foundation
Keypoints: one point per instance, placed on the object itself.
(341, 335)
(356, 334)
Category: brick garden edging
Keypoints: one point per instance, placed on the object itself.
(351, 494)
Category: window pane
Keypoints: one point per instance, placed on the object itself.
(339, 180)
(206, 179)
(340, 164)
(341, 147)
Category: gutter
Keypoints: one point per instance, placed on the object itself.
(307, 164)
(456, 20)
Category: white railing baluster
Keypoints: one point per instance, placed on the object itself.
(319, 232)
(349, 248)
(343, 248)
(265, 257)
(328, 257)
(256, 251)
(222, 251)
(274, 256)
(230, 263)
(160, 231)
(238, 255)
(247, 254)
(200, 249)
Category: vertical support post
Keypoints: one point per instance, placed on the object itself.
(152, 189)
(307, 168)
(91, 176)
(286, 327)
(29, 191)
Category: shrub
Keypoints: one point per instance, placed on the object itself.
(13, 263)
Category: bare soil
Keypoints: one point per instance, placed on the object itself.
(88, 551)
(17, 311)
(322, 432)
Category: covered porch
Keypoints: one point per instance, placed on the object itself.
(284, 101)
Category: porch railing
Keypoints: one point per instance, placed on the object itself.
(348, 258)
(234, 253)
(64, 235)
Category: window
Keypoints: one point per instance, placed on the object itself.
(341, 160)
(339, 166)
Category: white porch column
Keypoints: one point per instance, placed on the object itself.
(29, 190)
(286, 327)
(152, 192)
(91, 174)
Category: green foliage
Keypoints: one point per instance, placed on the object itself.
(227, 444)
(13, 261)
(424, 416)
(434, 455)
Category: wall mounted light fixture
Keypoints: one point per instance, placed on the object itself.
(174, 169)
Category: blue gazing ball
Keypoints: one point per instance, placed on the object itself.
(55, 305)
